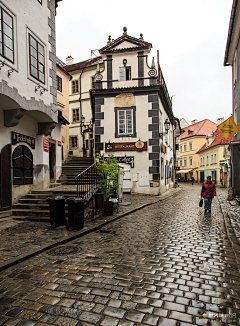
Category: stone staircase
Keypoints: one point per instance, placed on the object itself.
(72, 167)
(34, 206)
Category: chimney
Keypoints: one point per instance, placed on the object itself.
(69, 60)
(194, 121)
(219, 121)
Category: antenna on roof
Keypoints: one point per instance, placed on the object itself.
(93, 53)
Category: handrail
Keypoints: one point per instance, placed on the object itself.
(87, 182)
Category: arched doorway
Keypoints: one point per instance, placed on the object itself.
(6, 178)
(22, 159)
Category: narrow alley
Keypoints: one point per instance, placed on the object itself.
(166, 264)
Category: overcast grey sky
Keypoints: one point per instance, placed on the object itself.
(190, 35)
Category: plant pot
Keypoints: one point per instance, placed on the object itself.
(108, 208)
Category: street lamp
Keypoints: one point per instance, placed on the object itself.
(82, 120)
(167, 127)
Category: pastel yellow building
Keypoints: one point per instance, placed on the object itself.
(191, 141)
(63, 79)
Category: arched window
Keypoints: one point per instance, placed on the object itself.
(22, 159)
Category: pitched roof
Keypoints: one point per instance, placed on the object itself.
(60, 62)
(219, 140)
(138, 43)
(83, 64)
(200, 128)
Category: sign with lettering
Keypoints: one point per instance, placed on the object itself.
(59, 143)
(125, 159)
(20, 138)
(45, 145)
(131, 146)
(177, 168)
(228, 128)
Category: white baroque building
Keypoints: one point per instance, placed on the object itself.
(30, 133)
(133, 115)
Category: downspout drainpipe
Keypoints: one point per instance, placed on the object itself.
(80, 103)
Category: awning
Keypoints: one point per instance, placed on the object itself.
(183, 171)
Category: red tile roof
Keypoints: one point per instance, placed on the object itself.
(83, 64)
(219, 140)
(200, 128)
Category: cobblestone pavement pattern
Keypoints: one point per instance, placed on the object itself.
(166, 264)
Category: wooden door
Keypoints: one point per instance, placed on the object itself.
(201, 177)
(6, 178)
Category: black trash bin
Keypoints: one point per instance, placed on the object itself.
(99, 200)
(57, 210)
(76, 207)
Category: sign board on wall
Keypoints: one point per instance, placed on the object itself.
(125, 159)
(45, 145)
(59, 143)
(20, 138)
(130, 146)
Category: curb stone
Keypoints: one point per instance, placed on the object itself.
(78, 234)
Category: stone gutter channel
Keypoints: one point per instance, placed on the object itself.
(232, 224)
(90, 228)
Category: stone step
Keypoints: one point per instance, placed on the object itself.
(32, 218)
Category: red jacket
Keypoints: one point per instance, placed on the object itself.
(208, 193)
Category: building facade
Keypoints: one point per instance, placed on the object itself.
(81, 141)
(191, 141)
(214, 159)
(232, 58)
(133, 115)
(63, 79)
(29, 128)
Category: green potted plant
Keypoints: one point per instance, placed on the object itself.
(108, 172)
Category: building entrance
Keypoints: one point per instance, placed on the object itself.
(6, 178)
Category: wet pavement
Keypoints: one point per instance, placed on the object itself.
(166, 264)
(22, 239)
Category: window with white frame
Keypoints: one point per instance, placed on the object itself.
(36, 59)
(75, 115)
(190, 161)
(73, 142)
(185, 162)
(180, 162)
(190, 146)
(6, 35)
(125, 122)
(124, 73)
(207, 161)
(74, 86)
(203, 161)
(185, 147)
(215, 158)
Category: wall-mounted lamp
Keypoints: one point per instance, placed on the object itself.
(37, 87)
(2, 64)
(10, 71)
(82, 120)
(167, 127)
(42, 91)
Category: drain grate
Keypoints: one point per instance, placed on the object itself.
(64, 250)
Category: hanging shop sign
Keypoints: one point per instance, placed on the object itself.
(59, 143)
(177, 168)
(163, 149)
(131, 146)
(20, 138)
(63, 139)
(45, 145)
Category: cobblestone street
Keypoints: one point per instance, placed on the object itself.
(166, 264)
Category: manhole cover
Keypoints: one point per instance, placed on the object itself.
(23, 228)
(64, 250)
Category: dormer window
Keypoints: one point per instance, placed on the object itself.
(124, 73)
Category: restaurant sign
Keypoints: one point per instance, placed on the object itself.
(125, 159)
(130, 146)
(20, 138)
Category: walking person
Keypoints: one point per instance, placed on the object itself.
(192, 179)
(208, 192)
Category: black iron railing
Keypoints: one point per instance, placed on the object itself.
(87, 182)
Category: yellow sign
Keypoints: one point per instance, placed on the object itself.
(228, 128)
(63, 139)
